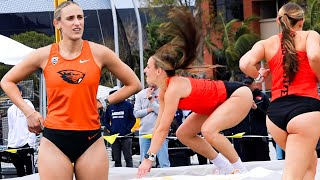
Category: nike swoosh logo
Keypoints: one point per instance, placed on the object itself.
(83, 61)
(90, 137)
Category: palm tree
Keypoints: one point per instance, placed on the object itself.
(312, 14)
(236, 41)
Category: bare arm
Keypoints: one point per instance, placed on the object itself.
(249, 61)
(36, 59)
(160, 111)
(107, 58)
(313, 52)
(169, 105)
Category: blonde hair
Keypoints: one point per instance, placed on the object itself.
(57, 12)
(289, 15)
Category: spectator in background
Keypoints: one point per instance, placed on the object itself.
(280, 153)
(185, 113)
(119, 118)
(253, 149)
(21, 138)
(146, 107)
(177, 121)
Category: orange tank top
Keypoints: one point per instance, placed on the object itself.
(72, 89)
(206, 95)
(304, 83)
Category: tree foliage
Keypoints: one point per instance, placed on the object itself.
(33, 39)
(169, 3)
(312, 14)
(236, 41)
(155, 39)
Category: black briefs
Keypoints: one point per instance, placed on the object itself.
(72, 143)
(283, 109)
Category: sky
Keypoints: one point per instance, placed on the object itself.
(124, 4)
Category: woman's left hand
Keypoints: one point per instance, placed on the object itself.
(144, 167)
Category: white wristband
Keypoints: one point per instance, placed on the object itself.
(258, 78)
(103, 103)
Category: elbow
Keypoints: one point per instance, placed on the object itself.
(243, 65)
(3, 84)
(314, 58)
(137, 114)
(138, 87)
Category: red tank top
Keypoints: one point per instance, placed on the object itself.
(72, 89)
(304, 83)
(206, 95)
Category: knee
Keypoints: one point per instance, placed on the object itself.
(180, 134)
(314, 162)
(209, 133)
(183, 134)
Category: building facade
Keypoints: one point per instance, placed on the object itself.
(266, 10)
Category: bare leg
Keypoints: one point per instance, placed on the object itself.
(52, 163)
(304, 131)
(227, 115)
(278, 134)
(312, 169)
(97, 156)
(187, 134)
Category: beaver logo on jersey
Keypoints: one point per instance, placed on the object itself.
(72, 76)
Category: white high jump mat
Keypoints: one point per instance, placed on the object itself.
(263, 170)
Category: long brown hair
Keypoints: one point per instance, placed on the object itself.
(289, 15)
(183, 28)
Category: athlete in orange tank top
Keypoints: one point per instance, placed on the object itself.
(72, 87)
(72, 136)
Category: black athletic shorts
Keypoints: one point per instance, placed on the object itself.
(232, 86)
(283, 109)
(72, 143)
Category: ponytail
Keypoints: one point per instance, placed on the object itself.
(289, 15)
(186, 39)
(289, 52)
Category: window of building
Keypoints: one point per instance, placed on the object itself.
(268, 9)
(232, 9)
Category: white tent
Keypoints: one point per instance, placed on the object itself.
(11, 51)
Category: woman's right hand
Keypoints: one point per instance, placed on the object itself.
(264, 72)
(35, 122)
